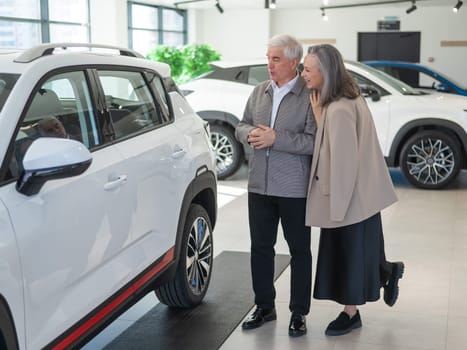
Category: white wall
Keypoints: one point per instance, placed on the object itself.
(236, 34)
(243, 34)
(436, 24)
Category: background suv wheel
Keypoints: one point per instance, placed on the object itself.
(228, 150)
(431, 159)
(193, 274)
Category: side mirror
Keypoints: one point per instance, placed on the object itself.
(50, 158)
(370, 91)
(441, 87)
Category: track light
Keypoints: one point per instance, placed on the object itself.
(219, 7)
(269, 4)
(323, 15)
(458, 6)
(411, 8)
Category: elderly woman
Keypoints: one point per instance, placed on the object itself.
(349, 186)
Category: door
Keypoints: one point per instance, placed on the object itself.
(70, 233)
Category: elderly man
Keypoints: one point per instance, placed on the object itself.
(278, 123)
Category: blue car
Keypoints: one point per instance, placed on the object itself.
(419, 76)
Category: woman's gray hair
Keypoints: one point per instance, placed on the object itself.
(292, 48)
(337, 81)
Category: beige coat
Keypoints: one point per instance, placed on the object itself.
(349, 179)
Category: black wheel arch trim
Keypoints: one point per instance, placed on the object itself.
(202, 190)
(7, 326)
(220, 116)
(412, 127)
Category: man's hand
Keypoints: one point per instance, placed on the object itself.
(262, 137)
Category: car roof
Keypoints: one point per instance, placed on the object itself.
(235, 64)
(58, 55)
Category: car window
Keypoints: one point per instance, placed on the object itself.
(60, 107)
(161, 95)
(129, 101)
(258, 74)
(7, 81)
(365, 83)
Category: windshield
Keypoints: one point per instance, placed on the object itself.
(462, 86)
(400, 86)
(7, 81)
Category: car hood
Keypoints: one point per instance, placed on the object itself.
(443, 99)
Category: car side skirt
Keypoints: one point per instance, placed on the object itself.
(103, 315)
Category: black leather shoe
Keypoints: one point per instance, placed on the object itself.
(258, 317)
(297, 325)
(343, 324)
(391, 289)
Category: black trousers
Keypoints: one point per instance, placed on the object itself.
(264, 214)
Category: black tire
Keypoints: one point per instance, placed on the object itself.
(8, 339)
(190, 283)
(431, 159)
(228, 150)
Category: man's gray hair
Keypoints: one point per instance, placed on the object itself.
(292, 48)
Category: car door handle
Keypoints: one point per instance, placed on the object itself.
(113, 184)
(178, 153)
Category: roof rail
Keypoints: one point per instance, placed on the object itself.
(48, 49)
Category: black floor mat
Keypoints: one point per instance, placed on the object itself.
(207, 326)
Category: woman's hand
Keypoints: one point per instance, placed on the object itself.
(315, 100)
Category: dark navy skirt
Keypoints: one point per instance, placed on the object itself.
(351, 266)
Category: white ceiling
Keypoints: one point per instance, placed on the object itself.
(293, 4)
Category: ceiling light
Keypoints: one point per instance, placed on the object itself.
(411, 8)
(270, 4)
(219, 7)
(323, 15)
(458, 6)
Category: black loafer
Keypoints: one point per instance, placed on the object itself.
(391, 289)
(297, 325)
(343, 324)
(258, 317)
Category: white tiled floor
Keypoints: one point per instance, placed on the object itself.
(425, 229)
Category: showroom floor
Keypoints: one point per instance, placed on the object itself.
(425, 229)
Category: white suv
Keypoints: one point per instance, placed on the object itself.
(423, 134)
(107, 192)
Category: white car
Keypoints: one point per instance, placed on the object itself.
(424, 134)
(107, 192)
(220, 97)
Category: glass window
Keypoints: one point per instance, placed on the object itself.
(26, 23)
(150, 25)
(68, 11)
(173, 39)
(144, 41)
(173, 20)
(21, 35)
(258, 74)
(68, 33)
(61, 107)
(160, 94)
(20, 8)
(144, 16)
(7, 81)
(130, 102)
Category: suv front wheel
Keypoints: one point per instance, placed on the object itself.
(191, 280)
(430, 159)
